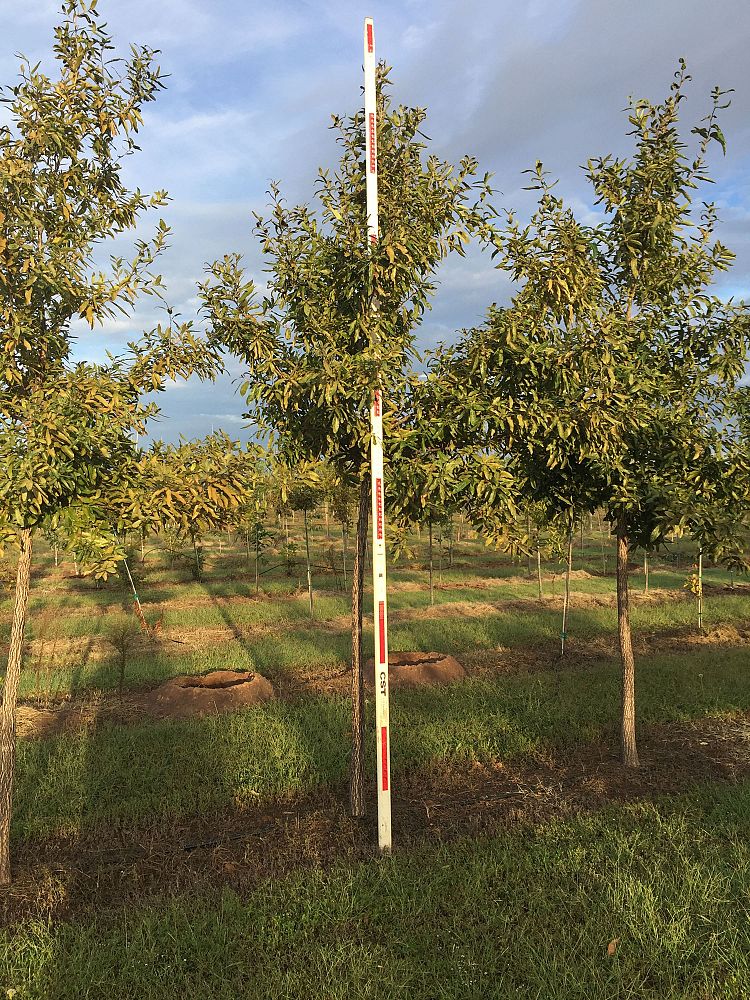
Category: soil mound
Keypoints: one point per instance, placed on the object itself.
(177, 698)
(206, 694)
(418, 669)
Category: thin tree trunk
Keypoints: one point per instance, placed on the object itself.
(328, 522)
(566, 598)
(56, 556)
(10, 695)
(700, 589)
(357, 769)
(343, 549)
(440, 556)
(645, 571)
(629, 749)
(432, 589)
(257, 558)
(539, 570)
(307, 557)
(528, 537)
(198, 570)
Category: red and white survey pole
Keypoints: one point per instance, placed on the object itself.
(380, 599)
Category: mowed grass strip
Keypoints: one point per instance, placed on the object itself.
(279, 647)
(111, 774)
(527, 914)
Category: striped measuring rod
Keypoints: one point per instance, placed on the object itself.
(380, 597)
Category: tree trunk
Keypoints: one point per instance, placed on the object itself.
(198, 570)
(343, 549)
(539, 570)
(307, 558)
(10, 694)
(700, 590)
(566, 598)
(629, 750)
(645, 572)
(357, 769)
(528, 539)
(432, 589)
(257, 559)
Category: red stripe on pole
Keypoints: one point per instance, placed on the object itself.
(377, 402)
(384, 756)
(373, 155)
(370, 39)
(379, 508)
(381, 630)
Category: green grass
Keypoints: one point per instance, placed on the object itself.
(139, 773)
(528, 914)
(277, 637)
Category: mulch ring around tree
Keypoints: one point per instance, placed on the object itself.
(107, 870)
(178, 698)
(418, 669)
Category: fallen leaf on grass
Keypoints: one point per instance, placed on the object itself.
(612, 946)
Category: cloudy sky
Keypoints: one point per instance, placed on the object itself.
(252, 86)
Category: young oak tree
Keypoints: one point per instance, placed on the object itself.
(606, 382)
(340, 316)
(65, 428)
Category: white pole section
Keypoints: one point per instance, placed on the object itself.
(380, 599)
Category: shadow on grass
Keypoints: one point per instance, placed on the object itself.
(108, 775)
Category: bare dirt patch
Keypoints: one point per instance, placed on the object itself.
(64, 877)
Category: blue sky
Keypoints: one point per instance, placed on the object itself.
(252, 87)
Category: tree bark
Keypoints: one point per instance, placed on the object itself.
(307, 558)
(539, 570)
(528, 539)
(566, 598)
(10, 695)
(432, 588)
(357, 768)
(629, 749)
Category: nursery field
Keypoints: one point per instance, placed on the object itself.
(160, 855)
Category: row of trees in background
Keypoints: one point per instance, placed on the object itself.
(609, 382)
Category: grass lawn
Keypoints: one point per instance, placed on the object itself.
(528, 914)
(112, 774)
